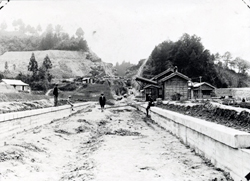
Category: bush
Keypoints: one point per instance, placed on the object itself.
(245, 105)
(176, 97)
(68, 87)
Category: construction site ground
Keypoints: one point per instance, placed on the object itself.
(119, 144)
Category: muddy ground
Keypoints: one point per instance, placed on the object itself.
(118, 144)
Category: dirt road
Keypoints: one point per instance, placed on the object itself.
(119, 144)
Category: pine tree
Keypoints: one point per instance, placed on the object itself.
(33, 66)
(47, 63)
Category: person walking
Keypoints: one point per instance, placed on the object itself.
(102, 101)
(150, 103)
(55, 93)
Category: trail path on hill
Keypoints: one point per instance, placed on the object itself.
(119, 144)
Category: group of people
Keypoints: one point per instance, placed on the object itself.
(102, 100)
(55, 93)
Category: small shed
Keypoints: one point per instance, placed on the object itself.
(154, 90)
(203, 90)
(88, 80)
(17, 84)
(175, 86)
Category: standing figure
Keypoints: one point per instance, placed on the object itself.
(55, 93)
(150, 103)
(70, 103)
(102, 101)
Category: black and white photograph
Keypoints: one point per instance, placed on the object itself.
(124, 90)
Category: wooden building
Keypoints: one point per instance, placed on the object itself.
(162, 75)
(148, 86)
(154, 90)
(202, 90)
(175, 86)
(166, 85)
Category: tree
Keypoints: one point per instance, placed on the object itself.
(242, 65)
(47, 63)
(79, 33)
(188, 54)
(58, 29)
(31, 29)
(47, 42)
(82, 45)
(49, 28)
(6, 68)
(20, 25)
(227, 58)
(33, 66)
(39, 28)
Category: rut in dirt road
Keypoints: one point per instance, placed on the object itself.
(118, 144)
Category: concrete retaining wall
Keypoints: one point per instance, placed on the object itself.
(12, 123)
(225, 147)
(235, 92)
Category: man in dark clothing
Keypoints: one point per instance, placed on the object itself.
(150, 103)
(102, 101)
(55, 93)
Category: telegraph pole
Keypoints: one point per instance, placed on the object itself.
(200, 87)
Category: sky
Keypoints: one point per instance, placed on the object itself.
(128, 30)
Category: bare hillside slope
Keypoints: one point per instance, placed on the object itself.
(65, 63)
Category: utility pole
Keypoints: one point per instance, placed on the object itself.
(200, 87)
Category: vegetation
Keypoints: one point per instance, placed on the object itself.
(121, 68)
(28, 38)
(132, 70)
(193, 60)
(40, 78)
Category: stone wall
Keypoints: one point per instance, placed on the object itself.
(235, 92)
(15, 122)
(225, 147)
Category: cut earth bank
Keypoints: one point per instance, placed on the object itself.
(117, 144)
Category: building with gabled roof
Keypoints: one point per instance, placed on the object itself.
(17, 84)
(162, 74)
(202, 90)
(175, 86)
(171, 84)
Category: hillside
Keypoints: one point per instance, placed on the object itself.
(65, 64)
(193, 60)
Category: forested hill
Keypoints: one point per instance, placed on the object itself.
(69, 54)
(193, 60)
(48, 40)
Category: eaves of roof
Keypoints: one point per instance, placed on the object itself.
(141, 79)
(150, 85)
(175, 74)
(162, 73)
